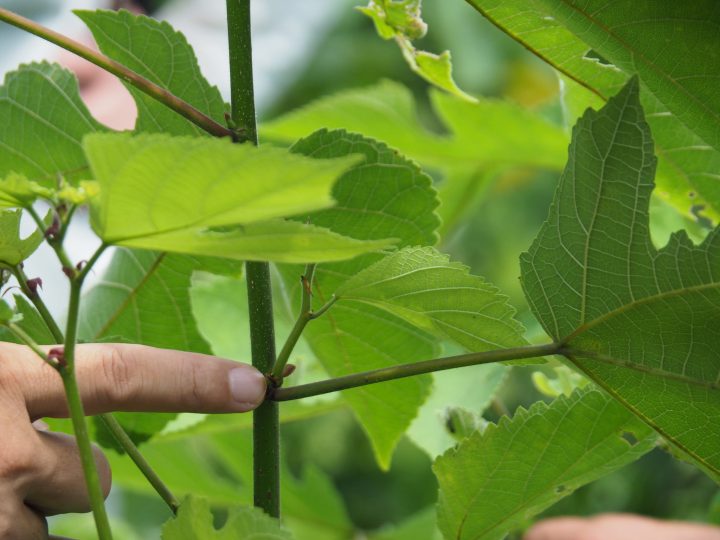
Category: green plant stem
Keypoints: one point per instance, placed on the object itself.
(37, 301)
(304, 317)
(124, 73)
(408, 370)
(266, 422)
(27, 340)
(114, 427)
(77, 415)
(107, 419)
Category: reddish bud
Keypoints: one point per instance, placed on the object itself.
(57, 355)
(288, 370)
(34, 284)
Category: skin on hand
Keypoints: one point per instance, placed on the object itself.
(40, 471)
(619, 527)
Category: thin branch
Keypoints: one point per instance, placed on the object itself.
(114, 427)
(127, 75)
(27, 340)
(108, 419)
(409, 370)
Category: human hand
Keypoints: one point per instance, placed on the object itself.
(619, 527)
(40, 471)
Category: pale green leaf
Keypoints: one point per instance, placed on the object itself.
(164, 193)
(154, 50)
(426, 289)
(386, 195)
(31, 322)
(13, 248)
(195, 521)
(402, 21)
(488, 133)
(455, 392)
(420, 526)
(668, 36)
(154, 184)
(498, 478)
(394, 18)
(42, 123)
(638, 321)
(16, 191)
(275, 240)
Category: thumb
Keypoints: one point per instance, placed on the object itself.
(119, 377)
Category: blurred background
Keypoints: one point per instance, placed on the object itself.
(304, 51)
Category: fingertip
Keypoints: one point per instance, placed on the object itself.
(247, 387)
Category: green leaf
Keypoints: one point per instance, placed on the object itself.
(164, 193)
(195, 521)
(488, 133)
(506, 474)
(154, 50)
(143, 297)
(6, 313)
(638, 321)
(671, 46)
(275, 240)
(16, 191)
(385, 195)
(688, 165)
(420, 526)
(13, 248)
(402, 22)
(455, 393)
(426, 289)
(42, 123)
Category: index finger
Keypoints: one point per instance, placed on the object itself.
(120, 377)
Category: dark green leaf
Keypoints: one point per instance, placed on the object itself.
(669, 36)
(638, 321)
(500, 477)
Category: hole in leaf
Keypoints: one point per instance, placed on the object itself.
(629, 437)
(594, 55)
(560, 489)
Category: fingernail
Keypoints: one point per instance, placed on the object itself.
(40, 425)
(247, 386)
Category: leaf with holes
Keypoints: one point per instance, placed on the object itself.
(587, 49)
(498, 478)
(640, 322)
(195, 520)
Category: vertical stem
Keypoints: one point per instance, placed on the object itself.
(112, 425)
(77, 414)
(266, 429)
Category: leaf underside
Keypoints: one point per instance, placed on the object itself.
(497, 479)
(670, 45)
(640, 322)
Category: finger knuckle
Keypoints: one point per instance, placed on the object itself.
(17, 463)
(118, 384)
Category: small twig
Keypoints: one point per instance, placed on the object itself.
(409, 370)
(306, 315)
(127, 75)
(30, 342)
